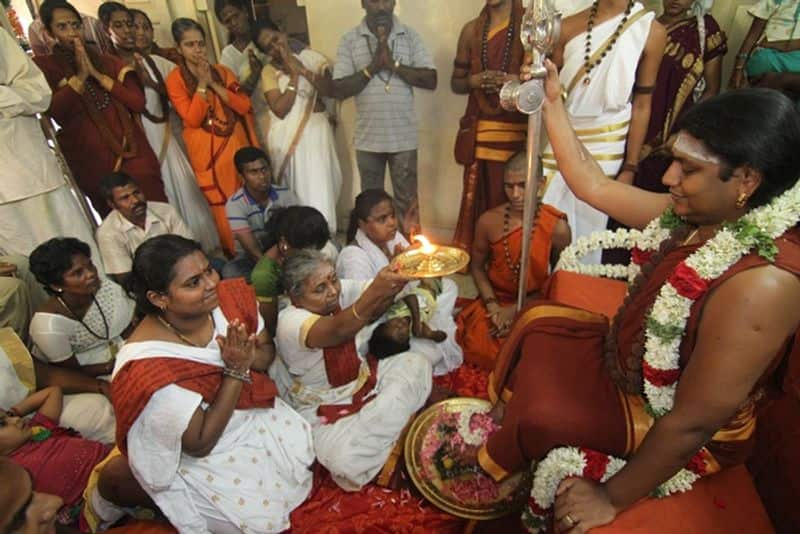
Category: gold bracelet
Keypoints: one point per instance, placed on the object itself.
(291, 88)
(366, 73)
(201, 90)
(355, 313)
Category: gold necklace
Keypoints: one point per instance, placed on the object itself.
(178, 333)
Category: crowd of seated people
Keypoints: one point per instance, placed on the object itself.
(216, 349)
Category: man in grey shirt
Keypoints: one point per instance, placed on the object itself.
(379, 62)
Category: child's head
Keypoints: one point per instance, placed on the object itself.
(14, 432)
(390, 338)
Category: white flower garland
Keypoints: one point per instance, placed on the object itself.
(646, 240)
(470, 437)
(666, 325)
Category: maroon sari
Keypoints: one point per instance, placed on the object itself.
(681, 69)
(98, 132)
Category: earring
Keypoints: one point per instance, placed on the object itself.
(58, 290)
(741, 200)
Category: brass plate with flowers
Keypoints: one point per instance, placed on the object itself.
(452, 482)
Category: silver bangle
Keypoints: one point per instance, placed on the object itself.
(242, 376)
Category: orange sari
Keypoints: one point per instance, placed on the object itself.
(210, 151)
(480, 347)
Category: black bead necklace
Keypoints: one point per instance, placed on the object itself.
(506, 47)
(515, 267)
(100, 101)
(588, 65)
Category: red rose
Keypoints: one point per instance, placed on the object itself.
(687, 282)
(535, 508)
(659, 377)
(640, 257)
(596, 464)
(697, 464)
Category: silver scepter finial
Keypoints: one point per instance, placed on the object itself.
(540, 31)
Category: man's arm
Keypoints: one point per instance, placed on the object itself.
(117, 259)
(422, 70)
(460, 80)
(348, 80)
(646, 75)
(23, 87)
(417, 77)
(249, 243)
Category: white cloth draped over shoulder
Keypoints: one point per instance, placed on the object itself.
(36, 203)
(600, 112)
(180, 184)
(363, 259)
(354, 448)
(256, 474)
(238, 61)
(312, 170)
(57, 337)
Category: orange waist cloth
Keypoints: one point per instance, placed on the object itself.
(480, 347)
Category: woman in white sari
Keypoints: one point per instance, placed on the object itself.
(162, 128)
(300, 142)
(197, 415)
(357, 406)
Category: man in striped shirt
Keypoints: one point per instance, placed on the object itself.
(379, 62)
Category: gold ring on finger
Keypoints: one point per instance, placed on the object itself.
(569, 521)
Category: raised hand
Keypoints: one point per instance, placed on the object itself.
(255, 64)
(237, 348)
(142, 72)
(82, 60)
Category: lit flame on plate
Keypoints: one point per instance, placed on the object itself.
(427, 247)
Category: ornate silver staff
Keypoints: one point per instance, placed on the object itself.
(540, 30)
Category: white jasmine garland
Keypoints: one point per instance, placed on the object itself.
(470, 437)
(670, 312)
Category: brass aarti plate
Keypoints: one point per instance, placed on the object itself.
(422, 263)
(514, 491)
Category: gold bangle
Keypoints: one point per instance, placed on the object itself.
(201, 90)
(355, 313)
(291, 88)
(366, 73)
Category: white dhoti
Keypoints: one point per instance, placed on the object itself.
(600, 112)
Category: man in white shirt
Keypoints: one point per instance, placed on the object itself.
(133, 221)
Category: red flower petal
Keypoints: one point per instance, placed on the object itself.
(596, 464)
(659, 377)
(640, 257)
(687, 282)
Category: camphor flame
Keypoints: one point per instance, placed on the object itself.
(427, 247)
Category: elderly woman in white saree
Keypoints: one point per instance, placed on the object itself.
(356, 405)
(373, 240)
(198, 416)
(297, 85)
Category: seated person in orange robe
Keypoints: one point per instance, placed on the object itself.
(496, 254)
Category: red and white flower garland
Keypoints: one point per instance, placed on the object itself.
(665, 327)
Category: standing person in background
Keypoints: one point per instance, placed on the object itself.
(94, 99)
(42, 42)
(380, 61)
(770, 53)
(217, 120)
(244, 58)
(489, 54)
(300, 139)
(690, 72)
(179, 182)
(35, 201)
(145, 42)
(608, 56)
